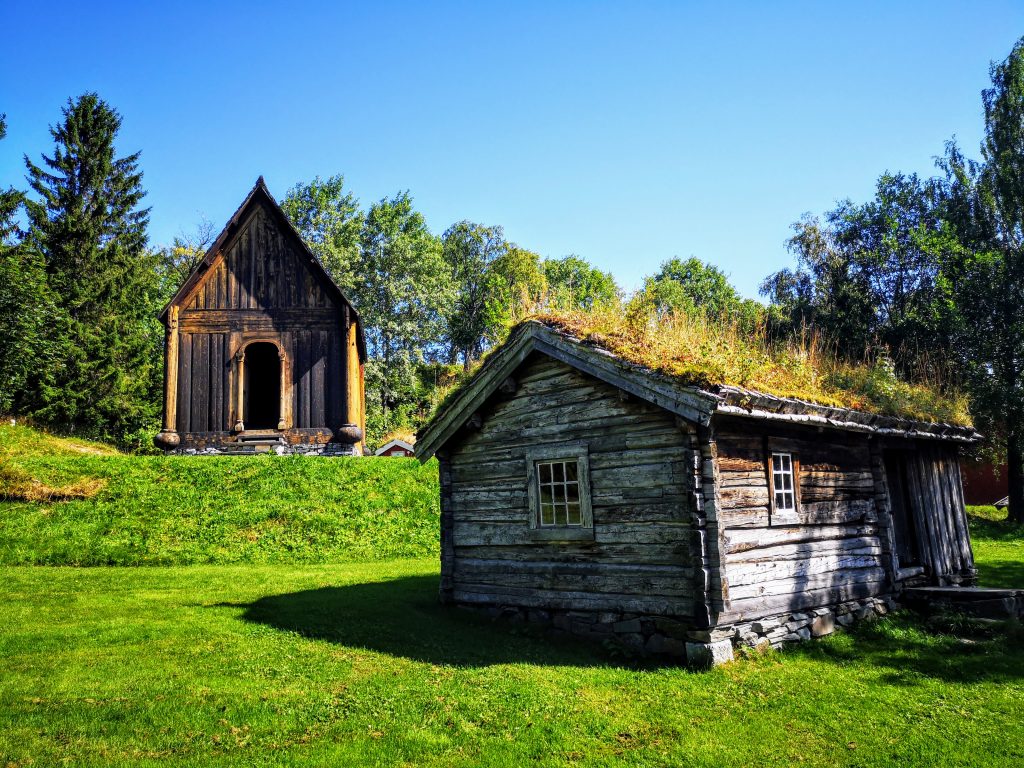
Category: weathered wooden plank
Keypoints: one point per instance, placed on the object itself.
(788, 586)
(750, 517)
(185, 383)
(804, 548)
(217, 419)
(795, 572)
(487, 594)
(834, 512)
(606, 552)
(738, 540)
(200, 382)
(317, 408)
(748, 609)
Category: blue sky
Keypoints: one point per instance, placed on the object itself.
(627, 133)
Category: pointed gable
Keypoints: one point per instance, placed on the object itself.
(259, 262)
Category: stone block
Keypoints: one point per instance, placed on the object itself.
(765, 626)
(628, 626)
(844, 619)
(823, 625)
(671, 628)
(562, 622)
(709, 654)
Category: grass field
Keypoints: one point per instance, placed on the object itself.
(173, 510)
(277, 662)
(358, 665)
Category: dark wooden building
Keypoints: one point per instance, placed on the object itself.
(263, 351)
(586, 491)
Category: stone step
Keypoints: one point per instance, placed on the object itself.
(983, 602)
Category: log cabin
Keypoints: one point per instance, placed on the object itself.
(593, 494)
(263, 351)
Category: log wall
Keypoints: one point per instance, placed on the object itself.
(643, 488)
(832, 553)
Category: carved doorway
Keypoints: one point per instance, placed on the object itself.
(262, 398)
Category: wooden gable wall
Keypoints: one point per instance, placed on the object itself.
(260, 287)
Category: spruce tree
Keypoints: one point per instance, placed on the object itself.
(90, 233)
(26, 310)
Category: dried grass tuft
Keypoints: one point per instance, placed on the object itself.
(17, 485)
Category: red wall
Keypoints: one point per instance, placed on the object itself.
(983, 483)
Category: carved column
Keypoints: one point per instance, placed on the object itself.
(240, 389)
(284, 391)
(169, 437)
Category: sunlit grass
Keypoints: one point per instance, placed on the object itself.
(703, 352)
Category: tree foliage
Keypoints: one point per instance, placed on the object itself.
(401, 289)
(87, 229)
(330, 220)
(867, 275)
(984, 268)
(573, 283)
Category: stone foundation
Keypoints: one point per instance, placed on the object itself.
(676, 640)
(281, 449)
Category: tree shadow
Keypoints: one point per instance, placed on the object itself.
(403, 617)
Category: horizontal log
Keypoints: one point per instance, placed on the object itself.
(677, 553)
(819, 581)
(791, 574)
(483, 594)
(791, 550)
(752, 517)
(736, 540)
(481, 534)
(749, 609)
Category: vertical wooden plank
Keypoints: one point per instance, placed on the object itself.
(958, 495)
(918, 509)
(216, 382)
(304, 382)
(185, 383)
(200, 381)
(252, 244)
(221, 283)
(334, 375)
(318, 414)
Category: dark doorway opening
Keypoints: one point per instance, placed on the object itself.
(904, 510)
(262, 386)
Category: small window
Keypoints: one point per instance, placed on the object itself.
(783, 482)
(558, 483)
(559, 486)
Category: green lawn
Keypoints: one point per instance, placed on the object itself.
(249, 656)
(357, 664)
(998, 548)
(173, 510)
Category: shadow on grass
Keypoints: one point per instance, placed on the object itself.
(908, 650)
(403, 618)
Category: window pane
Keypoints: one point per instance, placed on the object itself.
(571, 470)
(545, 472)
(546, 497)
(547, 514)
(572, 492)
(557, 473)
(575, 516)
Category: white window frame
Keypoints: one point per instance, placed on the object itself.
(784, 514)
(553, 454)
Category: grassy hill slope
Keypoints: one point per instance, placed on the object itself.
(160, 510)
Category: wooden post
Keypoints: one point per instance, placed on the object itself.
(285, 392)
(169, 437)
(240, 389)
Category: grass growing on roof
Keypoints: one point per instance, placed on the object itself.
(702, 352)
